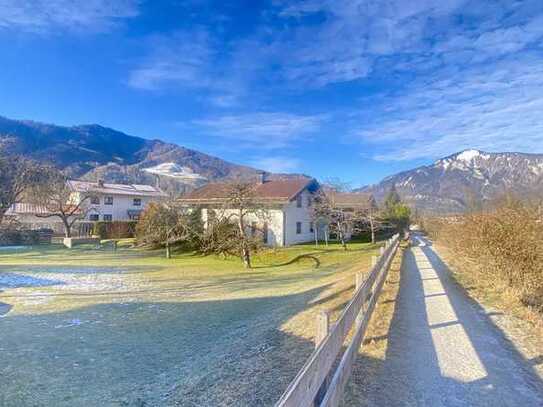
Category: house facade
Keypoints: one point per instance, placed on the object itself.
(284, 216)
(103, 202)
(112, 202)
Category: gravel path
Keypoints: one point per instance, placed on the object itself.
(443, 349)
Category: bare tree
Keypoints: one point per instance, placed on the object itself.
(165, 224)
(236, 226)
(53, 194)
(17, 175)
(244, 209)
(339, 221)
(346, 213)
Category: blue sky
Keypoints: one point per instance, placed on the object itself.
(354, 89)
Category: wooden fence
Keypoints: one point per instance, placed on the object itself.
(316, 384)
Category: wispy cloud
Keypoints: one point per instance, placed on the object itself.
(191, 60)
(491, 107)
(44, 16)
(277, 164)
(181, 59)
(262, 130)
(354, 35)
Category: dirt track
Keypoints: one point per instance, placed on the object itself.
(443, 349)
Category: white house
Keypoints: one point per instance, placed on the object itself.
(105, 202)
(286, 215)
(109, 202)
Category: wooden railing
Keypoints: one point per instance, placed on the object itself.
(316, 384)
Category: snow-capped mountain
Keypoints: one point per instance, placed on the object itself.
(465, 179)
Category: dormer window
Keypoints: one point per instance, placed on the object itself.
(108, 200)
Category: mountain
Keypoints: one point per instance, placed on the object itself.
(94, 152)
(462, 180)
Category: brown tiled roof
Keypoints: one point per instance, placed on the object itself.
(350, 199)
(273, 190)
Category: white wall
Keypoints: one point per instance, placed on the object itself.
(273, 217)
(120, 207)
(293, 214)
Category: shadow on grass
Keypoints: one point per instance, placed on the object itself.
(308, 256)
(209, 353)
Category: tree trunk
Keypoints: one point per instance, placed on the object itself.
(246, 256)
(67, 228)
(372, 227)
(343, 242)
(245, 251)
(168, 252)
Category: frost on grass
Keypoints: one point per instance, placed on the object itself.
(14, 280)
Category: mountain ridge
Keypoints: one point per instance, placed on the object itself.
(92, 152)
(465, 179)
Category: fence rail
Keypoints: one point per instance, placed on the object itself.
(316, 384)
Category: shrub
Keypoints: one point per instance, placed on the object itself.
(115, 229)
(505, 244)
(165, 225)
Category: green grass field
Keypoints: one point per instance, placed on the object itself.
(93, 327)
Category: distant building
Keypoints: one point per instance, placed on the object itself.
(111, 202)
(287, 204)
(107, 202)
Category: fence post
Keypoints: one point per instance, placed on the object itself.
(323, 327)
(381, 251)
(373, 261)
(359, 280)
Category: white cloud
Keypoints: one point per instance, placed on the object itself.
(78, 15)
(490, 107)
(193, 60)
(354, 34)
(262, 130)
(277, 164)
(182, 59)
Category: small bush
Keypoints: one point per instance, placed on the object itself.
(115, 229)
(14, 237)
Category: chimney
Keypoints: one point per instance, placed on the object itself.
(262, 177)
(100, 183)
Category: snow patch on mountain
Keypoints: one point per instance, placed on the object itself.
(177, 171)
(470, 155)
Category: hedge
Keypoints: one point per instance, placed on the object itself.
(115, 230)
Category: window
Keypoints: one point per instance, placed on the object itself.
(309, 201)
(94, 217)
(298, 228)
(137, 202)
(108, 218)
(299, 201)
(134, 216)
(108, 200)
(95, 200)
(311, 227)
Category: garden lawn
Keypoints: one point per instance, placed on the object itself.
(97, 327)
